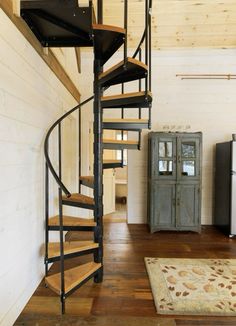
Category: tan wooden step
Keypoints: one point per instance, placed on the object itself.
(125, 124)
(127, 100)
(87, 181)
(70, 247)
(126, 120)
(125, 142)
(107, 40)
(79, 200)
(69, 221)
(127, 71)
(73, 277)
(114, 144)
(112, 164)
(122, 96)
(111, 161)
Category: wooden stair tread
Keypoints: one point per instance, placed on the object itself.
(126, 120)
(111, 161)
(73, 277)
(71, 221)
(87, 181)
(115, 141)
(107, 40)
(120, 64)
(88, 178)
(70, 247)
(126, 95)
(109, 28)
(78, 198)
(124, 71)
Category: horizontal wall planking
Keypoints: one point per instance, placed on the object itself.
(17, 197)
(35, 79)
(23, 279)
(10, 81)
(24, 175)
(20, 132)
(22, 111)
(50, 58)
(206, 24)
(18, 154)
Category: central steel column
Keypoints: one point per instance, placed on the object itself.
(98, 169)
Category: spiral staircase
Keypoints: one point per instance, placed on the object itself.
(64, 23)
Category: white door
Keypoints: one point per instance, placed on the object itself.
(108, 174)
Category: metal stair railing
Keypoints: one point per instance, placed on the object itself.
(146, 33)
(49, 166)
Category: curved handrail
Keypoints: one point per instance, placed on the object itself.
(143, 36)
(46, 142)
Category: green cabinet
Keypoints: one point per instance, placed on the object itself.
(174, 181)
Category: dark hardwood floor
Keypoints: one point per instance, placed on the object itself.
(124, 298)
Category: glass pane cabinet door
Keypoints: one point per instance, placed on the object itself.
(188, 158)
(165, 158)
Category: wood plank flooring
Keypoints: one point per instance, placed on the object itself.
(125, 298)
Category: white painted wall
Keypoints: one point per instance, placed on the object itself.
(31, 98)
(179, 105)
(187, 105)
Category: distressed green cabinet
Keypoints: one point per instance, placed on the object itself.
(174, 181)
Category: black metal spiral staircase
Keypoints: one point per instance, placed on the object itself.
(62, 23)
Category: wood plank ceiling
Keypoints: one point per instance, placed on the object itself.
(179, 23)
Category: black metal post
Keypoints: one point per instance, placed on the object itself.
(61, 223)
(98, 169)
(150, 58)
(150, 44)
(100, 11)
(146, 42)
(122, 132)
(46, 216)
(140, 85)
(140, 109)
(80, 147)
(62, 266)
(126, 31)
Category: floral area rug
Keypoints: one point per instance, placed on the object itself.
(193, 286)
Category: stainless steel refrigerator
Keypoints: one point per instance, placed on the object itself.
(225, 187)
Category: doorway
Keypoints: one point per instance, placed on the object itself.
(114, 180)
(121, 180)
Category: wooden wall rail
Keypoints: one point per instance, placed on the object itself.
(49, 57)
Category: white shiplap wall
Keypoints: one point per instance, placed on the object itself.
(187, 105)
(179, 105)
(31, 98)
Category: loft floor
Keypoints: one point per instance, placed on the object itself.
(124, 298)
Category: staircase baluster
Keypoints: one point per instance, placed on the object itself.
(122, 132)
(126, 31)
(80, 146)
(98, 168)
(100, 11)
(150, 60)
(61, 222)
(146, 42)
(140, 109)
(46, 216)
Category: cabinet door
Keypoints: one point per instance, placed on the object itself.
(162, 206)
(188, 158)
(164, 157)
(187, 203)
